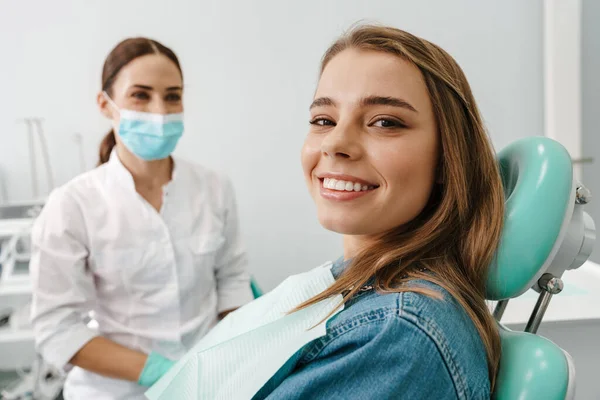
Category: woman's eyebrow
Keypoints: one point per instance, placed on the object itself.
(322, 102)
(367, 101)
(387, 101)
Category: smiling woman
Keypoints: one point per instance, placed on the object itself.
(365, 128)
(397, 161)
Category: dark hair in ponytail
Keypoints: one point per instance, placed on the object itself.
(124, 53)
(106, 146)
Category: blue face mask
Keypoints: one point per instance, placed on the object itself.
(147, 135)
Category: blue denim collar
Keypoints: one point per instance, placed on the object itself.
(339, 266)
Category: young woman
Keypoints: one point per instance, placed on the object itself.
(398, 162)
(147, 242)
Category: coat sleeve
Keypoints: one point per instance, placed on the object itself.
(63, 287)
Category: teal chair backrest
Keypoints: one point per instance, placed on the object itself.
(538, 185)
(537, 176)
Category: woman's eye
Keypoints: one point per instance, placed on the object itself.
(173, 97)
(141, 95)
(322, 122)
(388, 123)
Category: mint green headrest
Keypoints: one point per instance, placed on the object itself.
(538, 180)
(531, 367)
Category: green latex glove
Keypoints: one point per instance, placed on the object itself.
(155, 367)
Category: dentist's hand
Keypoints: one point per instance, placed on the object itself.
(156, 366)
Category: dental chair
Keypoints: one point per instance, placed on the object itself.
(546, 232)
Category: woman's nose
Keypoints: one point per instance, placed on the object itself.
(341, 142)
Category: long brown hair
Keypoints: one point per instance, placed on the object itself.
(124, 53)
(456, 235)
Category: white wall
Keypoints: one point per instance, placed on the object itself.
(250, 70)
(562, 75)
(590, 87)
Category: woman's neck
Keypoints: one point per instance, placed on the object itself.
(354, 244)
(148, 174)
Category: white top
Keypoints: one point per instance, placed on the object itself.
(155, 281)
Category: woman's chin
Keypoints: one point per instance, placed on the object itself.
(344, 225)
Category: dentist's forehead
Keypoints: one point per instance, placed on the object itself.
(153, 70)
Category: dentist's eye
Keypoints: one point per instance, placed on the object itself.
(140, 95)
(322, 122)
(173, 98)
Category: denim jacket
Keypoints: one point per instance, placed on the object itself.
(389, 346)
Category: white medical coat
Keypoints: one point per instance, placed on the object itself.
(155, 281)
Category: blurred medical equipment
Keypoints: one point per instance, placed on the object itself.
(15, 224)
(256, 290)
(546, 233)
(14, 258)
(5, 316)
(34, 124)
(36, 379)
(43, 382)
(3, 190)
(16, 339)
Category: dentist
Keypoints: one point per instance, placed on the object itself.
(147, 243)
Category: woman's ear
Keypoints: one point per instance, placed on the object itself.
(104, 106)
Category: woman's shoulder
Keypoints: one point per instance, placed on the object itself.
(392, 345)
(83, 186)
(65, 206)
(441, 311)
(434, 328)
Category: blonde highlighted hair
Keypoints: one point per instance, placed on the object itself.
(456, 235)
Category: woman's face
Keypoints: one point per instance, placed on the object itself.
(371, 153)
(150, 83)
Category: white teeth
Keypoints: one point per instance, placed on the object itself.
(344, 186)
